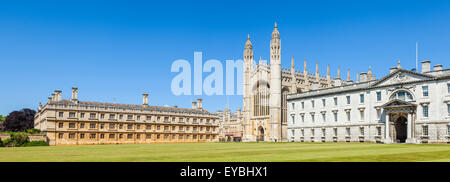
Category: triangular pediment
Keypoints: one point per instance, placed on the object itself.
(402, 76)
(397, 102)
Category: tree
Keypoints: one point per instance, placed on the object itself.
(20, 120)
(19, 139)
(2, 120)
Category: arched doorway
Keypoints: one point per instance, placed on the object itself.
(400, 129)
(261, 134)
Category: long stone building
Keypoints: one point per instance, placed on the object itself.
(266, 87)
(402, 107)
(73, 122)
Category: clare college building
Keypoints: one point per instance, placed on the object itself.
(73, 122)
(403, 107)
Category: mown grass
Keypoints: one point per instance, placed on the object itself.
(232, 152)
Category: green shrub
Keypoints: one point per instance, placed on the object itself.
(33, 131)
(5, 142)
(19, 139)
(35, 143)
(1, 143)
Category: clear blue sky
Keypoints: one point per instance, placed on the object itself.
(116, 50)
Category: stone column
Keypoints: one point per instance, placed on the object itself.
(410, 129)
(387, 138)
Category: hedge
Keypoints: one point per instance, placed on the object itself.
(35, 143)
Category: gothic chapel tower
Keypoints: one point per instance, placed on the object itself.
(275, 87)
(248, 65)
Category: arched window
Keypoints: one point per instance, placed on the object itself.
(402, 95)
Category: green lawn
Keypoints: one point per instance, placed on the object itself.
(232, 152)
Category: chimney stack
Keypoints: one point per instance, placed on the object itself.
(194, 105)
(363, 77)
(58, 96)
(200, 103)
(53, 97)
(437, 67)
(357, 77)
(74, 94)
(426, 66)
(145, 99)
(50, 99)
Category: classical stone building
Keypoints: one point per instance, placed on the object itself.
(73, 122)
(230, 125)
(403, 107)
(266, 87)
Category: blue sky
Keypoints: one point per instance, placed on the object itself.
(116, 50)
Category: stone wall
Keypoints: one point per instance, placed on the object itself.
(31, 137)
(4, 136)
(37, 137)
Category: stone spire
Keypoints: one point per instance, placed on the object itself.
(328, 72)
(317, 71)
(369, 74)
(260, 60)
(305, 69)
(348, 75)
(328, 76)
(292, 64)
(275, 33)
(294, 78)
(248, 44)
(248, 52)
(338, 76)
(398, 65)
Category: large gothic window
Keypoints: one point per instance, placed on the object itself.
(261, 97)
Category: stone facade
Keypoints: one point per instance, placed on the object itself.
(230, 127)
(73, 122)
(266, 87)
(402, 107)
